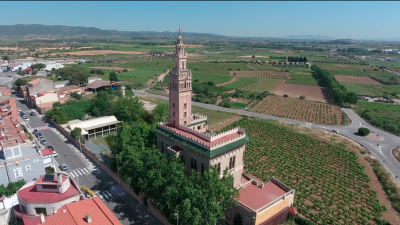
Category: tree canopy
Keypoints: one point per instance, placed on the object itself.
(20, 82)
(11, 188)
(38, 66)
(198, 199)
(76, 75)
(112, 76)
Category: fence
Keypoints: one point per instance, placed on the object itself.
(111, 173)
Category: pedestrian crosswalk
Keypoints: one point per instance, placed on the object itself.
(41, 128)
(80, 172)
(107, 195)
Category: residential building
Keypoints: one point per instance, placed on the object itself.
(48, 158)
(19, 158)
(99, 85)
(8, 106)
(95, 128)
(45, 196)
(43, 100)
(37, 85)
(77, 213)
(186, 135)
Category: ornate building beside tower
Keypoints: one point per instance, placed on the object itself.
(188, 137)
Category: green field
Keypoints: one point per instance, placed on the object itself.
(379, 106)
(264, 85)
(158, 65)
(370, 89)
(341, 67)
(140, 76)
(305, 79)
(395, 88)
(241, 82)
(347, 72)
(216, 76)
(202, 66)
(296, 69)
(393, 65)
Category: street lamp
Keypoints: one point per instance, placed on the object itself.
(177, 218)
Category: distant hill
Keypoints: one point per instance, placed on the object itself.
(167, 34)
(38, 29)
(309, 37)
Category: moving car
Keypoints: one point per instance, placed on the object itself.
(55, 154)
(32, 113)
(335, 131)
(63, 166)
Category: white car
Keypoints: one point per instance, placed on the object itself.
(25, 118)
(55, 154)
(19, 110)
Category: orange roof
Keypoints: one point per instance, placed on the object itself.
(255, 197)
(75, 214)
(47, 151)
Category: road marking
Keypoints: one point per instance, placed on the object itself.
(86, 170)
(83, 171)
(72, 175)
(77, 171)
(73, 172)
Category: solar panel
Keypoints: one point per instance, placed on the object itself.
(48, 177)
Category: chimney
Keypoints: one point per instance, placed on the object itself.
(59, 178)
(42, 219)
(88, 218)
(54, 210)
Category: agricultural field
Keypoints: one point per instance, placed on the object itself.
(356, 79)
(263, 74)
(342, 67)
(97, 52)
(393, 65)
(348, 72)
(264, 85)
(304, 110)
(382, 115)
(296, 69)
(217, 77)
(139, 76)
(242, 82)
(313, 93)
(264, 66)
(202, 66)
(305, 79)
(370, 89)
(331, 186)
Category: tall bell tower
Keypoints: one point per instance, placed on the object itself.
(180, 87)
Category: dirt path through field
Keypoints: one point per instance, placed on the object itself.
(231, 81)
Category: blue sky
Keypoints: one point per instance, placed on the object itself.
(358, 20)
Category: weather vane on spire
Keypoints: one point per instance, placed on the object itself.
(180, 30)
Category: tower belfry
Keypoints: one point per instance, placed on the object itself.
(180, 87)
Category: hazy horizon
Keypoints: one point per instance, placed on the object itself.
(340, 20)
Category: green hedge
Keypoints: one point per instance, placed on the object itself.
(301, 221)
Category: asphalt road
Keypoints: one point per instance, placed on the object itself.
(381, 150)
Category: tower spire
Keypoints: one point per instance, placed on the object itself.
(180, 30)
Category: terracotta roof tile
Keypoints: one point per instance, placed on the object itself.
(75, 214)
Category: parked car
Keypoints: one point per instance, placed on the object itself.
(25, 118)
(21, 113)
(38, 134)
(55, 154)
(63, 166)
(335, 131)
(19, 110)
(51, 147)
(32, 113)
(43, 141)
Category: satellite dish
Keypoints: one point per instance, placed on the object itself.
(2, 134)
